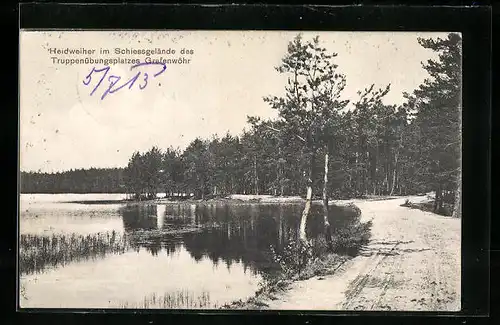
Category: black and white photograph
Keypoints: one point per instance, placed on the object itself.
(240, 170)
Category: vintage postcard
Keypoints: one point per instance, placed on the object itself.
(224, 170)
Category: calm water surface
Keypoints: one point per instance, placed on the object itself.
(171, 255)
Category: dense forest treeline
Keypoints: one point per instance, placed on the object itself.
(93, 180)
(316, 147)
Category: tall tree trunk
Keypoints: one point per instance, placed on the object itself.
(328, 230)
(278, 178)
(366, 173)
(280, 225)
(457, 206)
(282, 184)
(393, 182)
(279, 173)
(438, 199)
(394, 174)
(255, 179)
(305, 213)
(395, 178)
(441, 198)
(356, 174)
(307, 207)
(387, 181)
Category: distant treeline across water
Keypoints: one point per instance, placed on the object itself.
(93, 180)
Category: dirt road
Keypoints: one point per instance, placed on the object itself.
(411, 263)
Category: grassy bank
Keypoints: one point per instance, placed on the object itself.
(300, 262)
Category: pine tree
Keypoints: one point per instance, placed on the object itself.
(439, 122)
(312, 95)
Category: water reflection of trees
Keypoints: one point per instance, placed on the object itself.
(245, 233)
(231, 233)
(142, 230)
(139, 217)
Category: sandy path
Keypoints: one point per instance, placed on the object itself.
(411, 263)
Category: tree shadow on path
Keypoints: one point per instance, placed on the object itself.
(389, 248)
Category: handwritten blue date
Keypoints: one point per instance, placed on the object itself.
(114, 81)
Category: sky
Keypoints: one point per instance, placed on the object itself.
(63, 126)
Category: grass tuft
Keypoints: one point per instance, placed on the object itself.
(182, 299)
(37, 252)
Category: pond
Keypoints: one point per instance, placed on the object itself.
(170, 255)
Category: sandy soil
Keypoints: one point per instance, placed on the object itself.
(412, 263)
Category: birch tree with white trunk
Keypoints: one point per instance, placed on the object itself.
(311, 100)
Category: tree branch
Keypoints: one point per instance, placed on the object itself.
(276, 130)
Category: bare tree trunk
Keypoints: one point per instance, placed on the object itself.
(438, 199)
(328, 230)
(387, 183)
(255, 179)
(305, 213)
(307, 207)
(394, 174)
(457, 206)
(395, 178)
(356, 173)
(393, 182)
(280, 225)
(279, 174)
(365, 173)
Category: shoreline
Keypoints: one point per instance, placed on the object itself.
(373, 278)
(332, 263)
(236, 199)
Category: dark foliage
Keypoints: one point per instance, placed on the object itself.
(93, 180)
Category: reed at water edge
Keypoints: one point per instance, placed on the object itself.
(37, 252)
(181, 299)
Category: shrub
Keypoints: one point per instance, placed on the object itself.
(294, 257)
(445, 210)
(407, 203)
(347, 239)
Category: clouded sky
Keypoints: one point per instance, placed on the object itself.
(62, 126)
